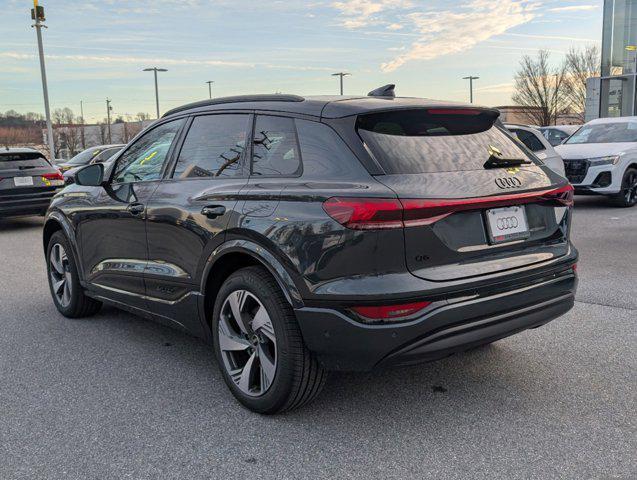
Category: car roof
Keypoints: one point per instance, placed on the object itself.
(19, 150)
(612, 120)
(324, 106)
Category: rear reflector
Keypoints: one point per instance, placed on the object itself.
(389, 312)
(385, 213)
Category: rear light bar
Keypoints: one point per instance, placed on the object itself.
(387, 213)
(454, 111)
(390, 312)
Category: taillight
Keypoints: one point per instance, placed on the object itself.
(384, 213)
(390, 312)
(53, 179)
(365, 213)
(53, 176)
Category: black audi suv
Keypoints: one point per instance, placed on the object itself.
(302, 235)
(27, 182)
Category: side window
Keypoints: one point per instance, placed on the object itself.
(276, 148)
(144, 159)
(214, 146)
(528, 139)
(104, 155)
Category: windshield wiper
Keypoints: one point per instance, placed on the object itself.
(497, 161)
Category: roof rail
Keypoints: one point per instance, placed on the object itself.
(275, 97)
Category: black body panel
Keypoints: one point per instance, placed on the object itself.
(154, 246)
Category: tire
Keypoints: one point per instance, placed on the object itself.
(627, 197)
(68, 297)
(269, 336)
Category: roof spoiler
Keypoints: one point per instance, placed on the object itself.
(386, 91)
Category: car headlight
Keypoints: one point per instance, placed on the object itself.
(609, 160)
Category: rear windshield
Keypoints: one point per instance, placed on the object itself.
(14, 160)
(83, 158)
(435, 140)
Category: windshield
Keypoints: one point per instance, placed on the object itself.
(616, 132)
(425, 141)
(84, 157)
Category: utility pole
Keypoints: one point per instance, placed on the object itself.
(82, 117)
(471, 79)
(341, 75)
(210, 82)
(155, 70)
(108, 119)
(37, 14)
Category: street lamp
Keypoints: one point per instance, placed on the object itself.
(37, 14)
(471, 79)
(210, 82)
(155, 70)
(341, 75)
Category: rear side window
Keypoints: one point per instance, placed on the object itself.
(213, 147)
(528, 139)
(276, 148)
(435, 140)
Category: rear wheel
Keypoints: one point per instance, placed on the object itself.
(66, 291)
(627, 197)
(259, 347)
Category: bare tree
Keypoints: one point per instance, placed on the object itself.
(130, 129)
(68, 130)
(103, 132)
(14, 136)
(580, 65)
(539, 89)
(141, 116)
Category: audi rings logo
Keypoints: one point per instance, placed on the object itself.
(507, 223)
(508, 182)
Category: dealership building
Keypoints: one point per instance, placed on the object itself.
(614, 94)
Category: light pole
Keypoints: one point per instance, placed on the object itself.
(341, 75)
(471, 79)
(108, 119)
(210, 82)
(37, 14)
(155, 70)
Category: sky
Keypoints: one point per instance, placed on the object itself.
(96, 50)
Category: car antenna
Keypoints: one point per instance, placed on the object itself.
(386, 91)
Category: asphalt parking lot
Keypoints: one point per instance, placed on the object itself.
(116, 396)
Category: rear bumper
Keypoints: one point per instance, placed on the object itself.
(33, 204)
(342, 343)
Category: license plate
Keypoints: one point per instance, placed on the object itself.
(507, 224)
(23, 181)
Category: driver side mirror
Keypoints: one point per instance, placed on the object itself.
(91, 175)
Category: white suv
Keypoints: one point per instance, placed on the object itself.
(601, 158)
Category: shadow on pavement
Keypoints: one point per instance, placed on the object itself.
(20, 223)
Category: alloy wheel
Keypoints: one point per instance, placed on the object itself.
(60, 273)
(630, 187)
(248, 343)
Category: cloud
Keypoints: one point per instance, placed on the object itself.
(447, 32)
(394, 26)
(361, 13)
(574, 8)
(144, 61)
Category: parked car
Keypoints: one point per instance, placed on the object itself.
(27, 182)
(300, 235)
(601, 158)
(97, 154)
(533, 139)
(558, 133)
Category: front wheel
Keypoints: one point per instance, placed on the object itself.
(627, 197)
(259, 347)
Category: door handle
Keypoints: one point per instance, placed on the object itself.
(213, 211)
(135, 208)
